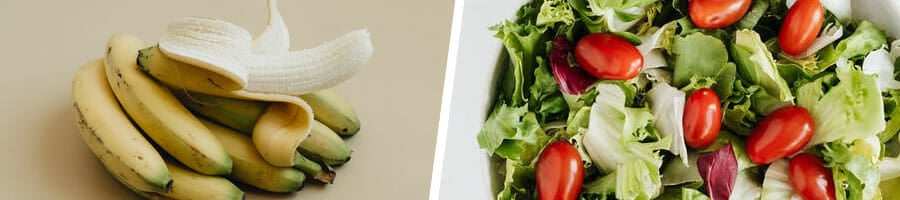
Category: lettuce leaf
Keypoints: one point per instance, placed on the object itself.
(867, 37)
(545, 97)
(621, 140)
(512, 133)
(697, 55)
(667, 106)
(616, 133)
(855, 175)
(523, 42)
(845, 112)
(555, 11)
(746, 186)
(776, 184)
(892, 112)
(757, 10)
(738, 108)
(675, 173)
(517, 182)
(756, 65)
(610, 15)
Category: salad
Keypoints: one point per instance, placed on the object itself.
(699, 99)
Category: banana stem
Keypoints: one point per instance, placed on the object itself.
(314, 169)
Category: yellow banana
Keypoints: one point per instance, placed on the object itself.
(333, 110)
(279, 130)
(322, 145)
(105, 128)
(190, 185)
(325, 146)
(250, 167)
(158, 112)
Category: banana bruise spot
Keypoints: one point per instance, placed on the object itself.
(84, 125)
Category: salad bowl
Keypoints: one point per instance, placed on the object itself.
(467, 170)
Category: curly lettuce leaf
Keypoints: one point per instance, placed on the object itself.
(523, 42)
(555, 11)
(517, 182)
(756, 65)
(545, 97)
(621, 140)
(737, 109)
(855, 175)
(512, 133)
(617, 133)
(610, 15)
(845, 112)
(867, 37)
(637, 179)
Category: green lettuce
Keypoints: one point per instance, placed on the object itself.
(621, 140)
(512, 133)
(517, 182)
(855, 175)
(697, 55)
(555, 11)
(757, 10)
(892, 112)
(545, 96)
(867, 37)
(846, 111)
(523, 42)
(610, 15)
(738, 109)
(756, 65)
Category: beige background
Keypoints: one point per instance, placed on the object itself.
(397, 95)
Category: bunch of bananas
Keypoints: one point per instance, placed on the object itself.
(165, 142)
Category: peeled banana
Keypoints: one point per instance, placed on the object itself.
(278, 132)
(158, 112)
(190, 185)
(250, 167)
(333, 110)
(110, 135)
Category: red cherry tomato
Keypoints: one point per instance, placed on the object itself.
(801, 26)
(560, 172)
(810, 178)
(711, 14)
(702, 118)
(782, 133)
(607, 56)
